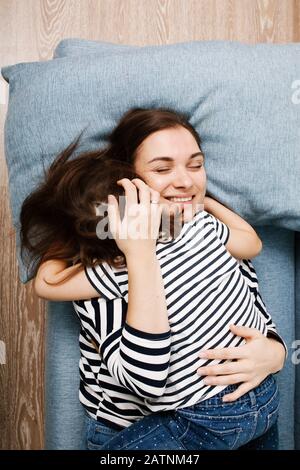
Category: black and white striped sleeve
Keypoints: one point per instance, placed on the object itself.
(221, 229)
(136, 359)
(103, 280)
(249, 273)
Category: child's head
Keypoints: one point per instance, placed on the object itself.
(59, 219)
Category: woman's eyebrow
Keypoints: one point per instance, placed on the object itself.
(169, 159)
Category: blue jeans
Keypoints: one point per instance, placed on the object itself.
(210, 424)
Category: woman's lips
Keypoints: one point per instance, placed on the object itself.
(180, 202)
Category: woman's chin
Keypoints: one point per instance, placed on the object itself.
(180, 211)
(190, 210)
(187, 215)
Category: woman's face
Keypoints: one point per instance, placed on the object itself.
(171, 162)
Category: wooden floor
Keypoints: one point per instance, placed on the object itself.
(29, 31)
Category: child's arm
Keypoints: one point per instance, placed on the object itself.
(76, 287)
(243, 242)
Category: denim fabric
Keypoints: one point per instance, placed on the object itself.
(97, 435)
(101, 434)
(238, 96)
(208, 425)
(268, 441)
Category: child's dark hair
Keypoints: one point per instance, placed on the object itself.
(59, 219)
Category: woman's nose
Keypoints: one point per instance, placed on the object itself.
(182, 180)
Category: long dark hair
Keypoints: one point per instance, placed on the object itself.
(59, 220)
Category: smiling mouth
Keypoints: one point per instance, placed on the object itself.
(180, 199)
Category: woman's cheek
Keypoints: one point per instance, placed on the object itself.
(156, 182)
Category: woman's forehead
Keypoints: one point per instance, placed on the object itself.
(174, 143)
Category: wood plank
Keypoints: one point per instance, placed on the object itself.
(22, 331)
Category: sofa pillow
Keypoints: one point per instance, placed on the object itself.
(239, 98)
(76, 46)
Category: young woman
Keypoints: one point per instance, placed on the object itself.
(149, 306)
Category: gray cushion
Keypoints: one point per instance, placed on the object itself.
(239, 98)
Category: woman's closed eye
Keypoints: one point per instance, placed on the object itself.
(192, 167)
(161, 170)
(197, 167)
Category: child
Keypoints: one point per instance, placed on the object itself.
(161, 302)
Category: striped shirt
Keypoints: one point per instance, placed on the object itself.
(127, 373)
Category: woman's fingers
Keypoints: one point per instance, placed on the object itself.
(142, 214)
(225, 379)
(113, 215)
(144, 196)
(150, 207)
(245, 332)
(246, 365)
(223, 369)
(144, 192)
(130, 192)
(224, 353)
(239, 392)
(233, 353)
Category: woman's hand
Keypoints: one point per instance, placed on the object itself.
(138, 231)
(249, 364)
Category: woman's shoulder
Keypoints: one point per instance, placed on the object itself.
(105, 277)
(202, 219)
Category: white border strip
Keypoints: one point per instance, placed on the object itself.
(2, 353)
(3, 91)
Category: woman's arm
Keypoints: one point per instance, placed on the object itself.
(243, 241)
(49, 282)
(141, 363)
(147, 308)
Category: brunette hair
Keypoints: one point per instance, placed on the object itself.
(59, 219)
